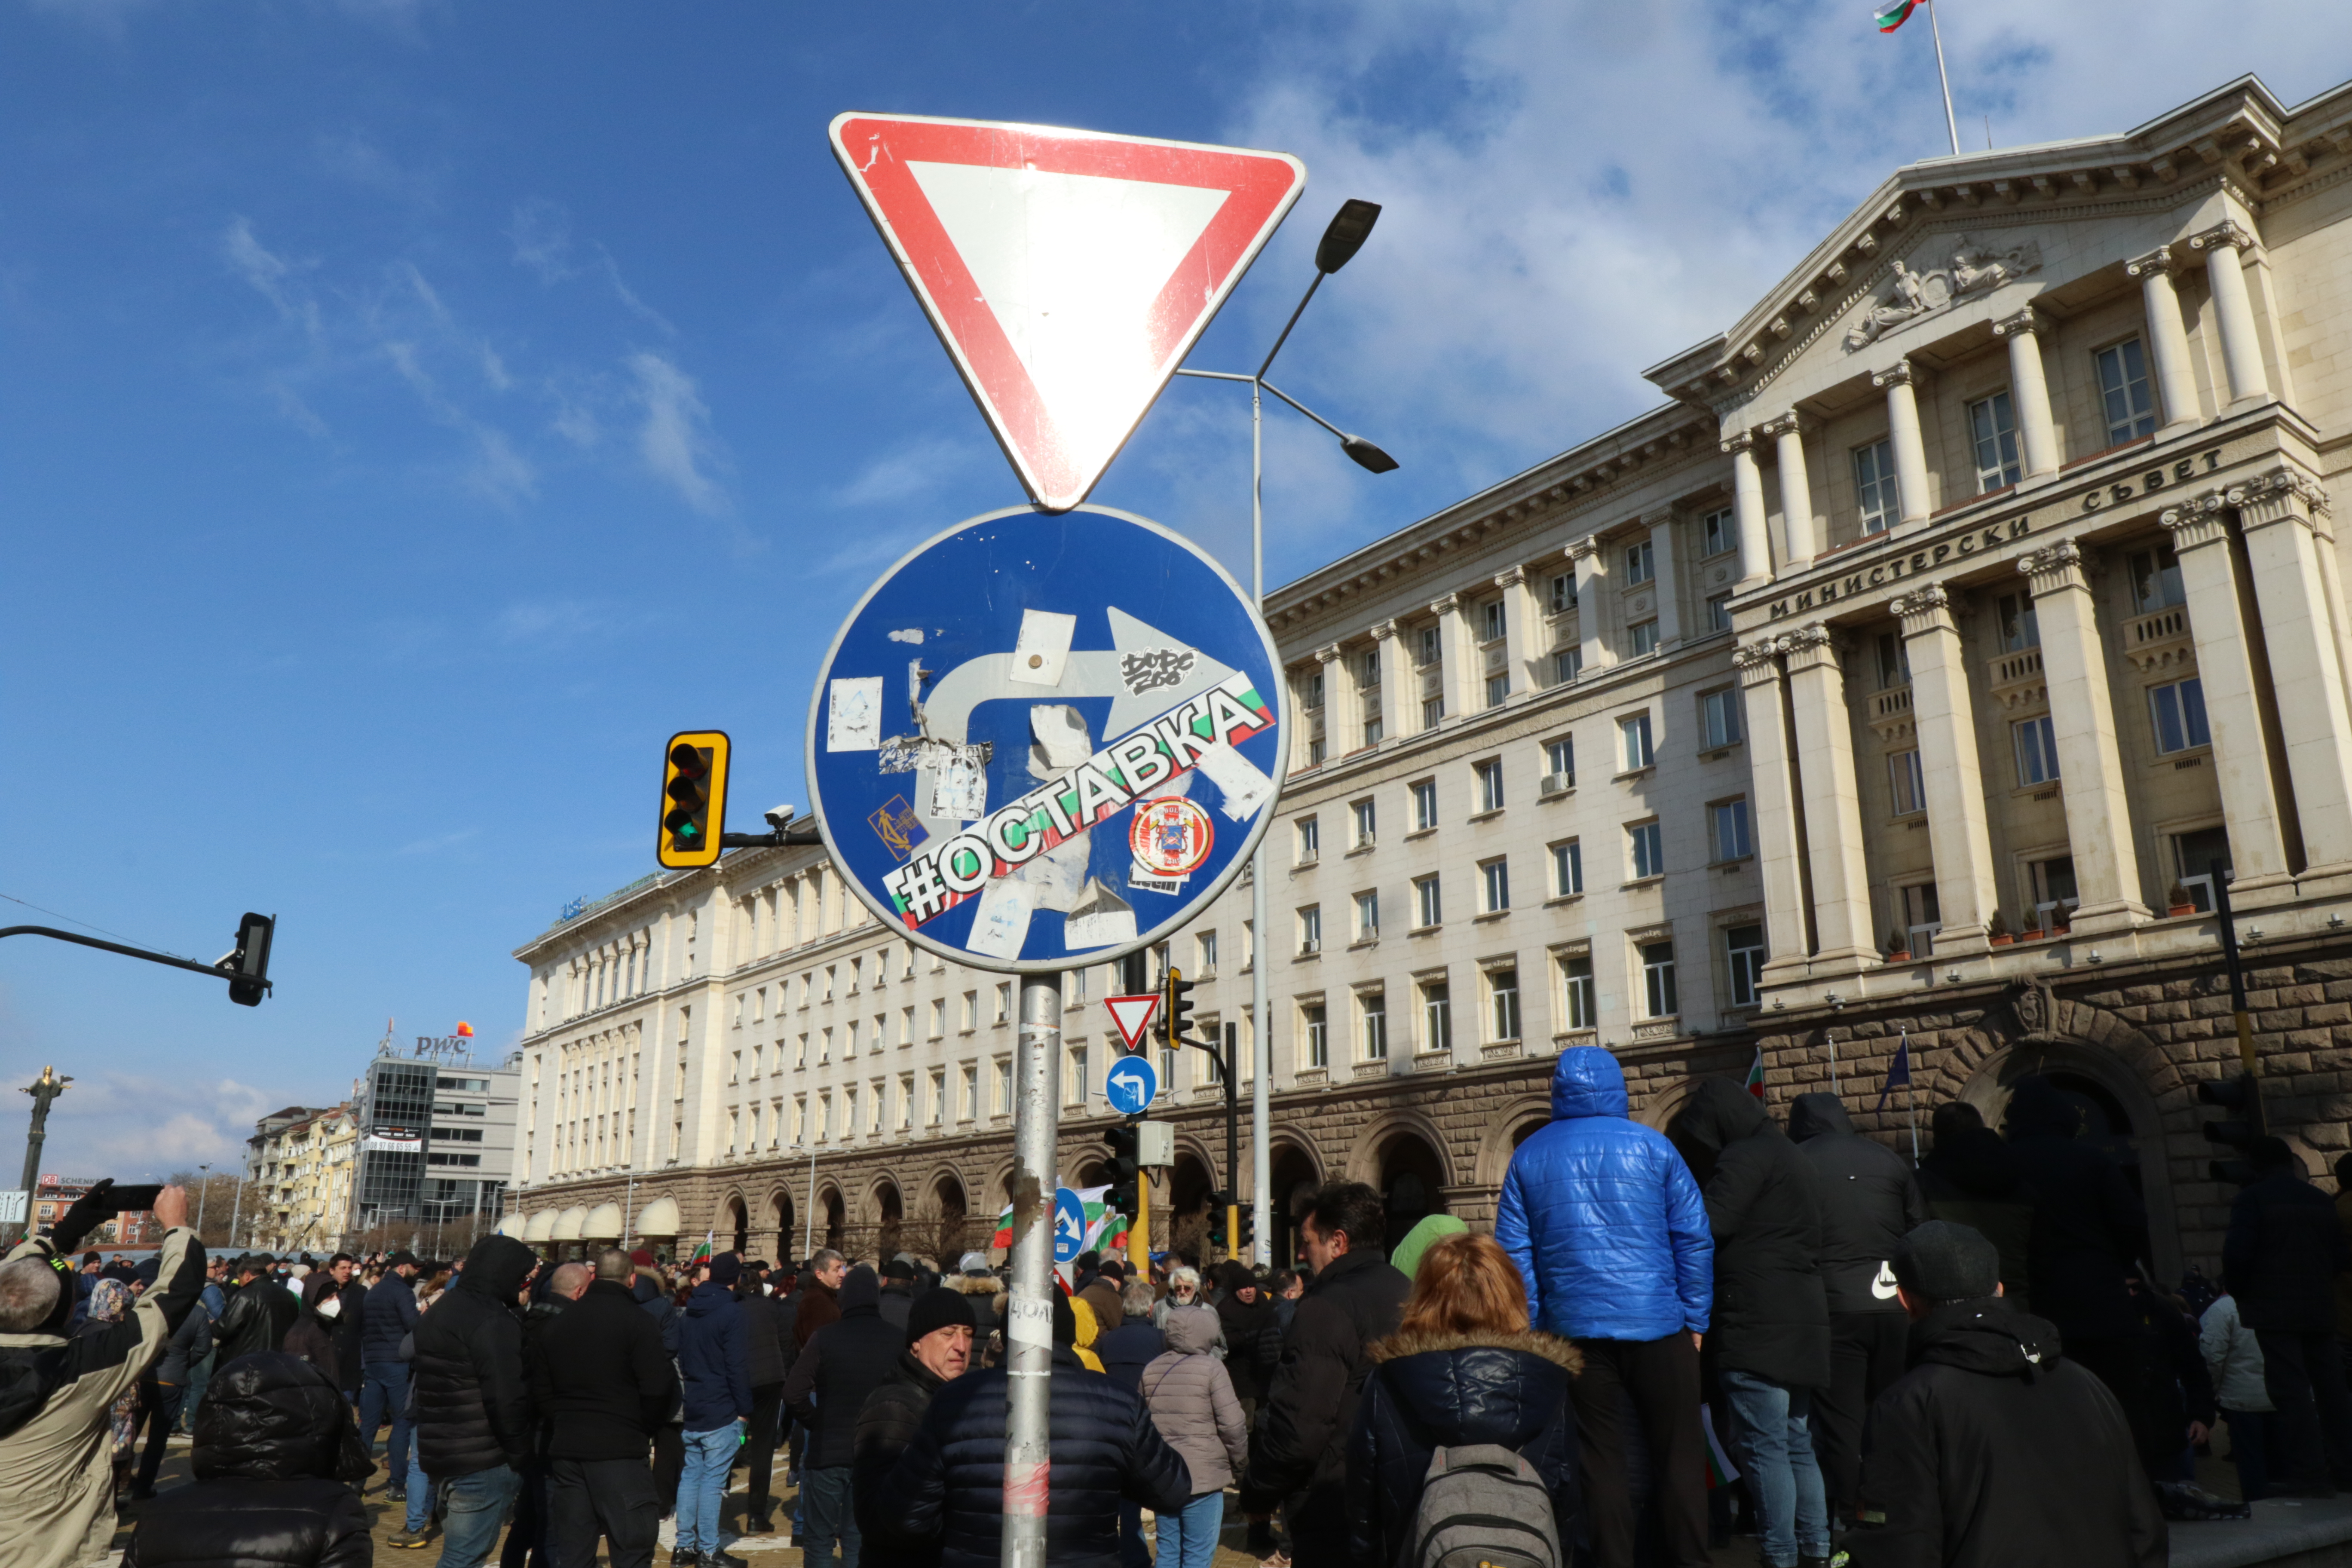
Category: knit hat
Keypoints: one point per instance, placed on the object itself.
(725, 1268)
(937, 1309)
(1112, 1269)
(1947, 1262)
(401, 1260)
(860, 1289)
(643, 1257)
(1065, 1321)
(898, 1269)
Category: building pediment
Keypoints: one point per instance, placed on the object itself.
(1941, 273)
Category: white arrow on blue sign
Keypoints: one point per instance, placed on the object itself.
(1069, 1226)
(1131, 1085)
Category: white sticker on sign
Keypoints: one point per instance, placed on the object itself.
(1139, 875)
(1244, 787)
(1063, 740)
(1001, 925)
(1059, 875)
(1029, 1323)
(960, 789)
(1100, 918)
(853, 715)
(1043, 646)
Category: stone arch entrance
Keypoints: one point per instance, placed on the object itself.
(1293, 1176)
(1412, 1183)
(835, 1217)
(890, 1219)
(787, 1239)
(948, 1202)
(737, 1219)
(1190, 1183)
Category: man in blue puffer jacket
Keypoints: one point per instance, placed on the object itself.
(1611, 1235)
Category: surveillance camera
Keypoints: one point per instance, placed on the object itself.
(780, 817)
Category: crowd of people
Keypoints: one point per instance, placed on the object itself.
(1740, 1324)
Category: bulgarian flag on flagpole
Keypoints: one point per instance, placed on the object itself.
(702, 1253)
(1756, 1074)
(1893, 14)
(1004, 1236)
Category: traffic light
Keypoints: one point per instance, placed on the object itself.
(1217, 1234)
(1123, 1168)
(1175, 1005)
(694, 798)
(250, 960)
(2242, 1093)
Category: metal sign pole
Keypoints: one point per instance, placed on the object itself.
(1029, 1323)
(1261, 1021)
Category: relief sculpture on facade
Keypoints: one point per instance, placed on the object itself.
(1973, 270)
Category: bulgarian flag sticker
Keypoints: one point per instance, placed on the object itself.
(1893, 14)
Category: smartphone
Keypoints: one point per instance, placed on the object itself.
(133, 1200)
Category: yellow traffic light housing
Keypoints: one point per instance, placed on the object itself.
(694, 798)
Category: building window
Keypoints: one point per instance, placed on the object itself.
(2124, 393)
(1372, 1006)
(1494, 619)
(1003, 1086)
(1310, 841)
(1310, 929)
(2194, 855)
(939, 1084)
(1874, 487)
(1576, 989)
(1658, 979)
(1560, 763)
(1563, 592)
(1003, 1000)
(1368, 916)
(1495, 876)
(1503, 1002)
(1719, 715)
(1317, 1025)
(939, 1016)
(1728, 825)
(1318, 750)
(1499, 689)
(1648, 855)
(1433, 712)
(1428, 641)
(1373, 726)
(1719, 533)
(1923, 915)
(1428, 903)
(971, 1010)
(2179, 710)
(1641, 564)
(1073, 1088)
(1206, 950)
(970, 1091)
(1367, 821)
(1425, 806)
(1566, 665)
(1567, 869)
(1634, 733)
(1643, 637)
(1910, 784)
(1310, 689)
(1718, 612)
(1436, 1015)
(1893, 661)
(1743, 952)
(2155, 579)
(2018, 628)
(2037, 751)
(1490, 786)
(2049, 886)
(1992, 432)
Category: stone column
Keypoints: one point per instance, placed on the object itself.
(1523, 624)
(2083, 716)
(1457, 653)
(1903, 431)
(2029, 391)
(1747, 512)
(2276, 514)
(1944, 718)
(2168, 340)
(2224, 246)
(1396, 680)
(1339, 738)
(1833, 804)
(1796, 491)
(1590, 571)
(1774, 810)
(1665, 582)
(2201, 538)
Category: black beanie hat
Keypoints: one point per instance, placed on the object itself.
(1944, 1261)
(725, 1268)
(937, 1309)
(860, 1289)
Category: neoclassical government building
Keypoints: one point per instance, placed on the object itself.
(1905, 673)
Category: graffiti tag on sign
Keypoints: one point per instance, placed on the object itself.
(1153, 668)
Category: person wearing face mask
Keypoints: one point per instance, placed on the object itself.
(939, 1351)
(313, 1336)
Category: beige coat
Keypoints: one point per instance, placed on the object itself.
(57, 1472)
(1190, 1397)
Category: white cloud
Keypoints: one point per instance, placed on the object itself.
(272, 277)
(139, 1128)
(674, 440)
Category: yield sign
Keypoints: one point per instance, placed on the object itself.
(1068, 272)
(1133, 1015)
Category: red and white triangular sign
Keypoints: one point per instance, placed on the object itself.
(1068, 272)
(1132, 1014)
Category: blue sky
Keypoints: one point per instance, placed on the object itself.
(411, 412)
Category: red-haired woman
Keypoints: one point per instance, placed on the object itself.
(1461, 1369)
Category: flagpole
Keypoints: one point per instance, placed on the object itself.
(1911, 1115)
(1937, 32)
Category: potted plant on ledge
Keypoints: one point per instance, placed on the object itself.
(1997, 930)
(2029, 926)
(1898, 947)
(2178, 903)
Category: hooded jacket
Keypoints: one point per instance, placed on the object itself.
(1764, 1205)
(314, 1334)
(1243, 1322)
(2233, 1358)
(2088, 1223)
(1191, 1397)
(1602, 1217)
(2282, 1254)
(258, 1318)
(710, 1359)
(1869, 1202)
(1433, 1391)
(276, 1461)
(1972, 1178)
(1994, 1450)
(848, 1359)
(473, 1407)
(1128, 1348)
(390, 1317)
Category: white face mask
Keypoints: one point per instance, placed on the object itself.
(330, 1306)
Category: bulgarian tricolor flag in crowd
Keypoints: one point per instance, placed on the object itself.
(1893, 14)
(1756, 1074)
(702, 1253)
(1106, 1230)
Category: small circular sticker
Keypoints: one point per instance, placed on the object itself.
(1171, 835)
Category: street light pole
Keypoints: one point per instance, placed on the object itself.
(204, 1190)
(1341, 239)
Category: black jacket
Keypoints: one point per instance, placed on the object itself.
(1972, 1178)
(768, 1345)
(1433, 1391)
(1993, 1451)
(2088, 1222)
(1245, 1324)
(887, 1423)
(599, 1376)
(312, 1337)
(950, 1481)
(1764, 1205)
(1304, 1421)
(655, 1301)
(1128, 1348)
(473, 1407)
(2281, 1256)
(848, 1360)
(898, 1301)
(275, 1459)
(256, 1320)
(350, 1326)
(1869, 1202)
(390, 1318)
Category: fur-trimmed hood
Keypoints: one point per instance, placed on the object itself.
(973, 1285)
(1550, 1347)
